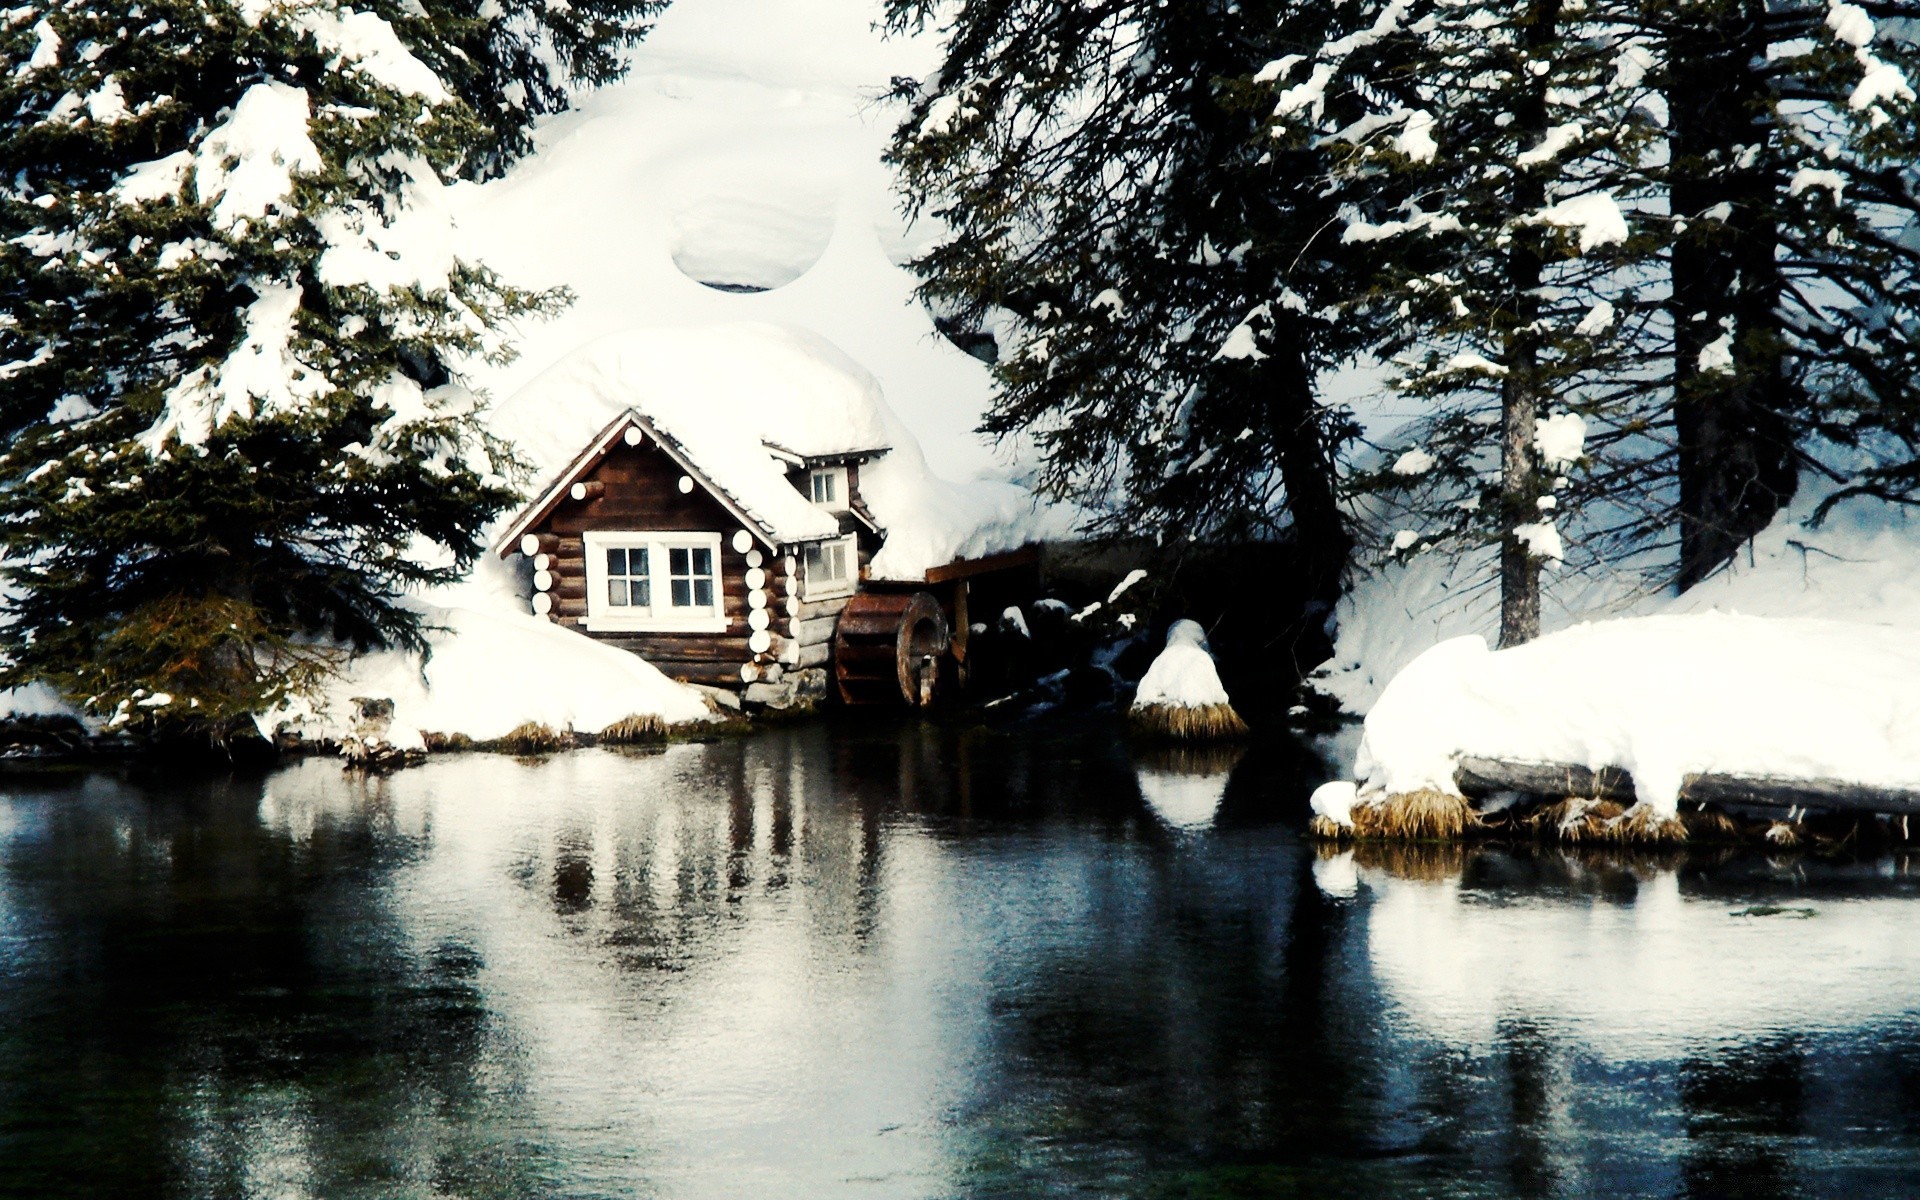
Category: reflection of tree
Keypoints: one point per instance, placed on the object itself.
(1743, 1109)
(209, 1006)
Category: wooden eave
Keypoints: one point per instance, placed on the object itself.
(963, 568)
(596, 451)
(839, 459)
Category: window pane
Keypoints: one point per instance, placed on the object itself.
(639, 559)
(703, 593)
(703, 562)
(839, 559)
(682, 592)
(814, 566)
(643, 591)
(617, 592)
(616, 562)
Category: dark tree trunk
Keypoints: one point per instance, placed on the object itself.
(1304, 449)
(1520, 389)
(1736, 461)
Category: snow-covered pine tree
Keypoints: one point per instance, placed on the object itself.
(228, 304)
(1795, 302)
(513, 61)
(1153, 265)
(1510, 279)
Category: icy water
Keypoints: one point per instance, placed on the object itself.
(835, 961)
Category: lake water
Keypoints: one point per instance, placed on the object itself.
(850, 960)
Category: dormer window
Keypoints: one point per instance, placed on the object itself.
(828, 488)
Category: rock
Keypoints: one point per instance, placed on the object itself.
(719, 697)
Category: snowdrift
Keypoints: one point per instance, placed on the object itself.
(1660, 697)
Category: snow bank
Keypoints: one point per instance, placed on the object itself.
(492, 670)
(1184, 675)
(1662, 697)
(1861, 564)
(727, 391)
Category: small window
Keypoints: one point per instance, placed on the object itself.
(629, 583)
(827, 487)
(831, 566)
(690, 576)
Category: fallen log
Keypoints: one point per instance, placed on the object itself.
(1481, 776)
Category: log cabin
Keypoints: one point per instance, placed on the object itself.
(724, 532)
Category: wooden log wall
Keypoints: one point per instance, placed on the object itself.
(641, 488)
(1482, 776)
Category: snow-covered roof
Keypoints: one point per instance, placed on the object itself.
(736, 402)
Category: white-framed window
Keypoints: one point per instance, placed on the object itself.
(827, 487)
(831, 568)
(654, 582)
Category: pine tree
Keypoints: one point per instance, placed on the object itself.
(513, 61)
(1509, 273)
(228, 313)
(1791, 178)
(1153, 264)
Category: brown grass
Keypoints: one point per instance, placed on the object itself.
(1424, 815)
(1181, 723)
(1579, 820)
(1784, 834)
(1711, 825)
(636, 727)
(532, 737)
(1327, 829)
(445, 743)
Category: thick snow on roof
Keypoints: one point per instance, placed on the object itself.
(723, 392)
(743, 151)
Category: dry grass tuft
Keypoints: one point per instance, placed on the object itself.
(1328, 830)
(532, 737)
(1425, 815)
(445, 743)
(1182, 723)
(1577, 820)
(1785, 834)
(636, 727)
(1711, 825)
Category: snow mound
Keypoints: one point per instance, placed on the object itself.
(749, 223)
(727, 392)
(491, 671)
(1662, 698)
(1183, 676)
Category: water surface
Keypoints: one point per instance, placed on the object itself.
(902, 960)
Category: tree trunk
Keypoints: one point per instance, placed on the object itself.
(1520, 489)
(1735, 445)
(1307, 461)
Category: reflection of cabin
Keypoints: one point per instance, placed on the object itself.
(638, 545)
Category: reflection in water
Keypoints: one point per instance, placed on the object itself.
(912, 961)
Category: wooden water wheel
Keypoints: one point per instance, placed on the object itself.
(887, 648)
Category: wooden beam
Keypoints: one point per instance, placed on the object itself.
(1480, 776)
(962, 568)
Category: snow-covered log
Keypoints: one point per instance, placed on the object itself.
(1483, 776)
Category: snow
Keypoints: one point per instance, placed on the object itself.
(1560, 439)
(375, 50)
(245, 166)
(725, 391)
(1414, 462)
(262, 375)
(743, 151)
(491, 670)
(1241, 344)
(1850, 24)
(1598, 320)
(1551, 144)
(1811, 177)
(1716, 356)
(1183, 676)
(1661, 697)
(1595, 215)
(1542, 540)
(46, 48)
